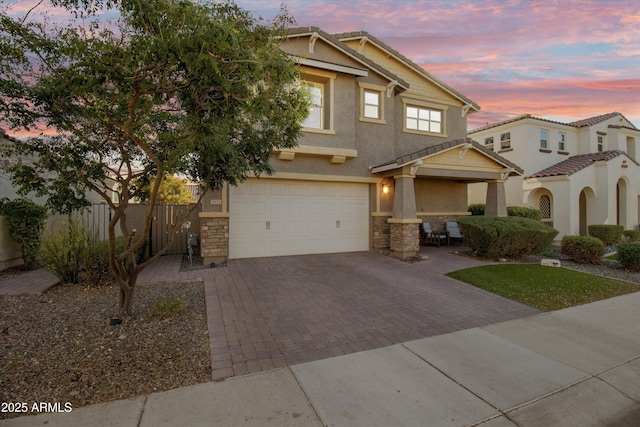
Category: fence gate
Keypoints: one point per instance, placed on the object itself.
(96, 220)
(165, 217)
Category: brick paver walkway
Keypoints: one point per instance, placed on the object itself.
(33, 282)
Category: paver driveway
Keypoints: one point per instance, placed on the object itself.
(271, 312)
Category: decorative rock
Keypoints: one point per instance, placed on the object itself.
(503, 260)
(424, 258)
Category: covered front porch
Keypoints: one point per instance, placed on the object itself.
(431, 185)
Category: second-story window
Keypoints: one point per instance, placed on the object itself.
(423, 119)
(371, 107)
(315, 119)
(544, 139)
(562, 141)
(601, 143)
(505, 140)
(488, 141)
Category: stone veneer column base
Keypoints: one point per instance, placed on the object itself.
(214, 238)
(404, 239)
(381, 233)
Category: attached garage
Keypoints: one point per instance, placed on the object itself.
(273, 217)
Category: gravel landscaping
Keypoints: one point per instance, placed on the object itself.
(60, 346)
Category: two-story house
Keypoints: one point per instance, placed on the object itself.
(384, 147)
(579, 173)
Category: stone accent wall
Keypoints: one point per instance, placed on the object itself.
(439, 222)
(381, 233)
(404, 240)
(214, 239)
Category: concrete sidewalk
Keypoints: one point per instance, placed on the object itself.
(574, 367)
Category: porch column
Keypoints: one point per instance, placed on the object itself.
(404, 237)
(496, 200)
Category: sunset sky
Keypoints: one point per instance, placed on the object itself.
(558, 59)
(561, 60)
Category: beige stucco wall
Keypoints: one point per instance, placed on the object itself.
(434, 195)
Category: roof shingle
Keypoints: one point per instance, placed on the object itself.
(576, 163)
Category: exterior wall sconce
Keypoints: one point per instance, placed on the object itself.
(385, 189)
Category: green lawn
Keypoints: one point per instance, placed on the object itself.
(545, 288)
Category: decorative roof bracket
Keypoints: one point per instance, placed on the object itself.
(312, 41)
(363, 41)
(390, 87)
(463, 150)
(465, 109)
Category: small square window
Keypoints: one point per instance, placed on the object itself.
(488, 141)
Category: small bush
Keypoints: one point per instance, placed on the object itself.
(510, 237)
(629, 255)
(64, 249)
(476, 209)
(631, 235)
(608, 233)
(524, 212)
(583, 249)
(25, 221)
(168, 306)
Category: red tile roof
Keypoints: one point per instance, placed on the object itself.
(576, 163)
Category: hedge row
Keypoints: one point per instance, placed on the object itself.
(520, 211)
(508, 237)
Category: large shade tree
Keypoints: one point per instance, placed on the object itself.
(168, 86)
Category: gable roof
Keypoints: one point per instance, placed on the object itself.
(576, 163)
(357, 56)
(577, 124)
(435, 149)
(363, 35)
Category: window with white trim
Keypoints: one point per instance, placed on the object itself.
(505, 140)
(601, 143)
(371, 104)
(488, 141)
(315, 119)
(319, 85)
(544, 139)
(423, 119)
(562, 141)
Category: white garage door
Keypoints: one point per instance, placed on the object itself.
(271, 217)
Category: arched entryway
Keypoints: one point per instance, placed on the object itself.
(621, 202)
(584, 201)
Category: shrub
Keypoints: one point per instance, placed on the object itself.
(25, 221)
(168, 306)
(64, 250)
(583, 249)
(608, 233)
(631, 235)
(524, 212)
(476, 209)
(510, 237)
(629, 255)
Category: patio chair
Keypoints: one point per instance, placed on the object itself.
(429, 237)
(454, 231)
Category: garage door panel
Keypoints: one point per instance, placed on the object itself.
(304, 217)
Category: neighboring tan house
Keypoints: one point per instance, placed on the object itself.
(385, 147)
(579, 173)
